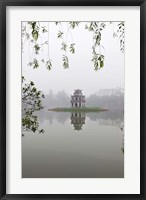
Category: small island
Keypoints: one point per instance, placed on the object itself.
(78, 105)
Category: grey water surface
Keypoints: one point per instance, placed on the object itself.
(75, 145)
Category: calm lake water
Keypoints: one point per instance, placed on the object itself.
(75, 145)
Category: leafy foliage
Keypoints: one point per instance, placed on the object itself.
(96, 28)
(37, 48)
(121, 35)
(74, 24)
(31, 102)
(97, 59)
(65, 62)
(33, 39)
(44, 30)
(35, 30)
(64, 46)
(34, 63)
(72, 48)
(120, 31)
(68, 46)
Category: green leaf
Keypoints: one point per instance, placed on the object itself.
(59, 35)
(33, 129)
(49, 64)
(44, 29)
(72, 48)
(35, 63)
(37, 48)
(74, 24)
(33, 25)
(31, 83)
(41, 131)
(35, 35)
(34, 89)
(64, 46)
(57, 23)
(99, 58)
(95, 65)
(101, 63)
(97, 38)
(65, 62)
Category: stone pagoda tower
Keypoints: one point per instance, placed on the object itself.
(77, 99)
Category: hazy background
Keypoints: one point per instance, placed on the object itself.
(81, 73)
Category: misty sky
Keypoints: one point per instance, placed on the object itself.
(81, 73)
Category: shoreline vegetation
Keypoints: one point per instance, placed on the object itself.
(82, 109)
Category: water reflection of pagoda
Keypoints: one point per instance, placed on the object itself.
(78, 119)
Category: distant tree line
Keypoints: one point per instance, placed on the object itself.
(62, 99)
